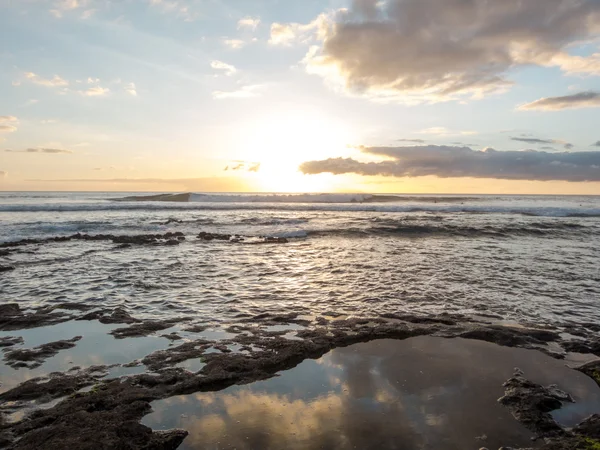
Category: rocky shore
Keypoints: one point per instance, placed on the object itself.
(98, 413)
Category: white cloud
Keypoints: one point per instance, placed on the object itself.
(95, 91)
(220, 65)
(234, 43)
(413, 51)
(443, 131)
(248, 91)
(177, 8)
(251, 23)
(88, 13)
(7, 124)
(286, 34)
(56, 81)
(130, 89)
(7, 128)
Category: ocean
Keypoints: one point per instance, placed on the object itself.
(511, 259)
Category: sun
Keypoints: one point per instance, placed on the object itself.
(281, 142)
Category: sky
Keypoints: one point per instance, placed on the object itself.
(396, 96)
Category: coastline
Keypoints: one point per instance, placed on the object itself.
(64, 405)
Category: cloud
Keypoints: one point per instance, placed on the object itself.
(56, 81)
(251, 23)
(443, 131)
(249, 91)
(41, 150)
(597, 144)
(178, 8)
(6, 124)
(95, 91)
(247, 166)
(286, 34)
(234, 43)
(589, 99)
(220, 65)
(456, 162)
(3, 173)
(428, 50)
(417, 141)
(130, 89)
(529, 140)
(88, 13)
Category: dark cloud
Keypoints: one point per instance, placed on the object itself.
(41, 150)
(416, 141)
(454, 162)
(432, 49)
(588, 99)
(566, 145)
(597, 144)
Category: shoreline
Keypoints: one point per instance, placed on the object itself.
(263, 346)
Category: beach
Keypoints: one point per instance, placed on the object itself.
(128, 313)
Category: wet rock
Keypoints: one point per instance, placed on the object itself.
(592, 370)
(117, 315)
(123, 246)
(590, 427)
(9, 341)
(6, 268)
(584, 346)
(511, 337)
(145, 328)
(55, 385)
(531, 404)
(12, 318)
(165, 358)
(237, 239)
(197, 328)
(32, 358)
(104, 418)
(172, 337)
(142, 239)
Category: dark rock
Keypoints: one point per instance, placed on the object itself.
(590, 427)
(145, 328)
(196, 328)
(585, 346)
(12, 318)
(592, 370)
(117, 315)
(531, 404)
(172, 337)
(511, 337)
(9, 341)
(32, 358)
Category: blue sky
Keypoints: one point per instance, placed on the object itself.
(166, 94)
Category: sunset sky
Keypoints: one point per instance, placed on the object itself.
(449, 96)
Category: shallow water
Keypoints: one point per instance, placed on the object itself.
(419, 393)
(520, 259)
